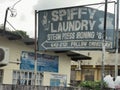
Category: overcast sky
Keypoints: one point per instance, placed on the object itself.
(25, 11)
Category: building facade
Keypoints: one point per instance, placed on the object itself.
(93, 69)
(15, 71)
(54, 68)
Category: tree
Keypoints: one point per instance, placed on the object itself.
(23, 34)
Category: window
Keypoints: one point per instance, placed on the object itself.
(1, 76)
(109, 72)
(27, 78)
(89, 74)
(73, 75)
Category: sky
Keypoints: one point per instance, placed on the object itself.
(25, 9)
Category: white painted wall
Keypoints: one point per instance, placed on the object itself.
(97, 58)
(64, 69)
(15, 48)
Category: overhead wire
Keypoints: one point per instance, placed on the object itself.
(15, 29)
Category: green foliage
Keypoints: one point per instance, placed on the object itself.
(21, 33)
(94, 85)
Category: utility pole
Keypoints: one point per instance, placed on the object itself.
(104, 43)
(5, 20)
(117, 38)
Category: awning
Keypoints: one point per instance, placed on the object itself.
(75, 56)
(29, 41)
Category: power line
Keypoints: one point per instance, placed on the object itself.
(15, 4)
(14, 29)
(103, 4)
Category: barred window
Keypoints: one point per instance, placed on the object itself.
(88, 74)
(73, 75)
(109, 72)
(1, 76)
(27, 78)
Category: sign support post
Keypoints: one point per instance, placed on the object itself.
(117, 37)
(35, 58)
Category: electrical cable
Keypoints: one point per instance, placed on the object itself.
(15, 29)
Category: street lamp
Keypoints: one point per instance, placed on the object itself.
(13, 13)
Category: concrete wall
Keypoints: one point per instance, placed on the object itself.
(64, 69)
(96, 62)
(97, 58)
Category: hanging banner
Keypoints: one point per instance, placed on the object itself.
(74, 28)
